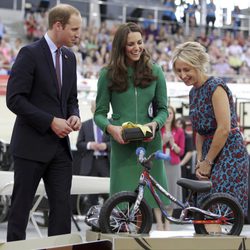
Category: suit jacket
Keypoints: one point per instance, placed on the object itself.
(86, 134)
(32, 95)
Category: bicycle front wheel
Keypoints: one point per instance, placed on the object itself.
(118, 216)
(230, 212)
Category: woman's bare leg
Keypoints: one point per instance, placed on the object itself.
(158, 217)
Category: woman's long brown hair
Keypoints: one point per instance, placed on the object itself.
(117, 67)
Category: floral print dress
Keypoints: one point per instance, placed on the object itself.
(230, 169)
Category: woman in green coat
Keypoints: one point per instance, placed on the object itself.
(130, 83)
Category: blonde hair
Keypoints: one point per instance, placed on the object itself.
(192, 53)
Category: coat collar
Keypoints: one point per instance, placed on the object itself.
(49, 60)
(65, 64)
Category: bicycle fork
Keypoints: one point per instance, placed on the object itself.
(137, 202)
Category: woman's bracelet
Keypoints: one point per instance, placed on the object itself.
(208, 161)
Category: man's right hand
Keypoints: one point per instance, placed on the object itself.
(60, 127)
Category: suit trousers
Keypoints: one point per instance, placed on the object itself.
(57, 177)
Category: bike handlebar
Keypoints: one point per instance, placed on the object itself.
(158, 155)
(161, 156)
(140, 152)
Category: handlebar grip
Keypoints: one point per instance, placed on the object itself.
(161, 156)
(140, 150)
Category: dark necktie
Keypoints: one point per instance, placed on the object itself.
(58, 71)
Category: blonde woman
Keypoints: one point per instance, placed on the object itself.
(221, 154)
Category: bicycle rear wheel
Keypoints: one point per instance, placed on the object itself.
(116, 215)
(4, 207)
(226, 206)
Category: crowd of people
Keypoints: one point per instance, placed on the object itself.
(229, 54)
(229, 50)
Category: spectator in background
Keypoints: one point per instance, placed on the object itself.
(148, 21)
(215, 50)
(173, 139)
(236, 20)
(42, 24)
(203, 39)
(210, 17)
(151, 30)
(30, 26)
(189, 13)
(187, 158)
(94, 147)
(6, 54)
(28, 8)
(169, 17)
(2, 29)
(18, 44)
(179, 36)
(246, 61)
(222, 68)
(3, 69)
(234, 53)
(221, 154)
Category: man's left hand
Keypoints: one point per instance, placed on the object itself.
(74, 122)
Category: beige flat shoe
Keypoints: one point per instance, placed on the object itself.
(213, 228)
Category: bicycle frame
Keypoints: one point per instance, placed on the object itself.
(147, 180)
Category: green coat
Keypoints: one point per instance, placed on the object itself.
(132, 105)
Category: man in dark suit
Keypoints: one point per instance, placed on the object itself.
(94, 147)
(42, 92)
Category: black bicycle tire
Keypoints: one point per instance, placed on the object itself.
(111, 202)
(79, 204)
(230, 201)
(4, 207)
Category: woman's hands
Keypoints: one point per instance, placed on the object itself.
(203, 170)
(116, 133)
(153, 126)
(168, 137)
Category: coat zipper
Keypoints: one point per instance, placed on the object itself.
(136, 102)
(136, 116)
